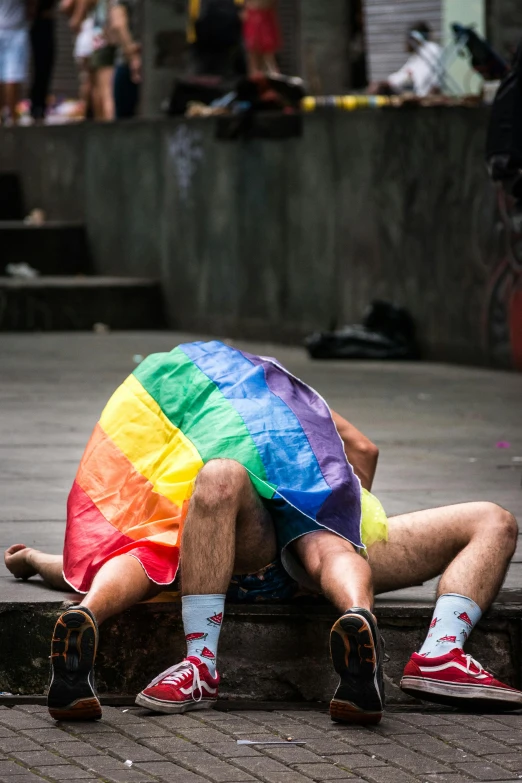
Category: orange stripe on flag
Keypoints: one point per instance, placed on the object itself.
(126, 498)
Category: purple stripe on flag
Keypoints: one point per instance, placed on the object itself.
(341, 512)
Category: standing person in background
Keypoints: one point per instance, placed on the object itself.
(262, 36)
(214, 34)
(43, 49)
(83, 49)
(102, 64)
(123, 24)
(14, 55)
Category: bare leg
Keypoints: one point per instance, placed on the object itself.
(24, 563)
(343, 575)
(105, 78)
(227, 530)
(11, 97)
(271, 66)
(119, 584)
(471, 544)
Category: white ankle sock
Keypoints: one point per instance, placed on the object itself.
(454, 618)
(202, 618)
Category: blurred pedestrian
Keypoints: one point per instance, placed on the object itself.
(262, 36)
(14, 55)
(214, 33)
(102, 64)
(423, 71)
(43, 50)
(83, 49)
(124, 28)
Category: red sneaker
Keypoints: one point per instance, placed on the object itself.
(186, 686)
(459, 680)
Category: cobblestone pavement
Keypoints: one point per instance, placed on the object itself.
(202, 746)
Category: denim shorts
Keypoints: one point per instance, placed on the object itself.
(14, 56)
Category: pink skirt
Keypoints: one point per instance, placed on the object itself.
(261, 31)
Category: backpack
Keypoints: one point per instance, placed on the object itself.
(219, 25)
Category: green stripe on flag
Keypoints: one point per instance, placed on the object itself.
(195, 405)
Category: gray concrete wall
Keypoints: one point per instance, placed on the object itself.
(274, 239)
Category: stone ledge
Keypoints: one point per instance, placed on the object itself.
(267, 652)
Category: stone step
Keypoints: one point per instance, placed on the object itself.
(266, 653)
(11, 196)
(54, 248)
(78, 303)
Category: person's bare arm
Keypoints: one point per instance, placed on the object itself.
(121, 33)
(362, 454)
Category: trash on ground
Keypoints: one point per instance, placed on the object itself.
(271, 742)
(503, 444)
(387, 332)
(128, 763)
(137, 358)
(21, 270)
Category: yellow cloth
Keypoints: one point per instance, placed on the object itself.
(374, 520)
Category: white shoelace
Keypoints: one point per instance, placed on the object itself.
(176, 674)
(470, 660)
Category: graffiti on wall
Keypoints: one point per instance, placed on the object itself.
(502, 321)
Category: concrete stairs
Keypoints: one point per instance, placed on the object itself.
(67, 294)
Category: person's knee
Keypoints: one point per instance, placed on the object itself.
(501, 523)
(220, 482)
(318, 550)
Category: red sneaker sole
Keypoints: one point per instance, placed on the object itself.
(456, 695)
(172, 707)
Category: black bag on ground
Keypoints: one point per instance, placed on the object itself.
(387, 332)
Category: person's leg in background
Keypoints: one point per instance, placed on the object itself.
(43, 48)
(15, 45)
(126, 92)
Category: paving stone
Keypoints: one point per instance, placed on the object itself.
(484, 771)
(357, 760)
(37, 758)
(31, 777)
(327, 746)
(120, 716)
(18, 742)
(322, 771)
(5, 732)
(64, 772)
(100, 763)
(170, 745)
(438, 749)
(51, 734)
(424, 719)
(166, 770)
(150, 729)
(452, 732)
(511, 761)
(388, 775)
(509, 737)
(480, 722)
(202, 736)
(126, 776)
(215, 769)
(293, 754)
(410, 760)
(134, 751)
(14, 719)
(12, 769)
(270, 770)
(77, 727)
(449, 777)
(72, 750)
(481, 745)
(175, 722)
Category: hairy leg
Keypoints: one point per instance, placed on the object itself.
(227, 530)
(470, 544)
(24, 562)
(343, 575)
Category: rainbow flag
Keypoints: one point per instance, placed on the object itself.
(177, 411)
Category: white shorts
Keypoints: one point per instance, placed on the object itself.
(14, 56)
(84, 44)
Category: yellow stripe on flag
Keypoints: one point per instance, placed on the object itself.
(158, 450)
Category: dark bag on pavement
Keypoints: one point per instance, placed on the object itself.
(219, 25)
(387, 332)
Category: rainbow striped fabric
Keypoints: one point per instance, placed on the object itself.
(177, 411)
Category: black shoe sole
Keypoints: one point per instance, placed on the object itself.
(356, 661)
(73, 650)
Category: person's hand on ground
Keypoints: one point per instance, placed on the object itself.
(16, 561)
